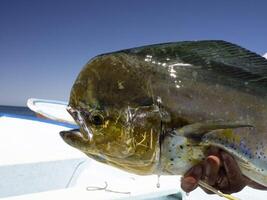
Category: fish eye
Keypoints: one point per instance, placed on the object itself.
(97, 119)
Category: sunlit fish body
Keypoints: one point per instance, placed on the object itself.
(155, 109)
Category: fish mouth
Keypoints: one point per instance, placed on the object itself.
(73, 132)
(74, 138)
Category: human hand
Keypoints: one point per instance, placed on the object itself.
(220, 171)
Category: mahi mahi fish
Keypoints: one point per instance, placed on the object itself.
(157, 109)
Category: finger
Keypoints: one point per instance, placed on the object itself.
(211, 168)
(188, 184)
(213, 151)
(222, 182)
(233, 174)
(190, 180)
(254, 184)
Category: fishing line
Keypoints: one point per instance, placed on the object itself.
(105, 188)
(74, 172)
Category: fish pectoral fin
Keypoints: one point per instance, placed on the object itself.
(244, 165)
(197, 130)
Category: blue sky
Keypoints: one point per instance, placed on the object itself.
(44, 44)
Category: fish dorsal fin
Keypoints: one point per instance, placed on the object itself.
(228, 58)
(218, 55)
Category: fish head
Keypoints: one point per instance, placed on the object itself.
(119, 121)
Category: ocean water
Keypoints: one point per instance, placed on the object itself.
(17, 110)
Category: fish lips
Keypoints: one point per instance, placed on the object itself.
(73, 132)
(74, 138)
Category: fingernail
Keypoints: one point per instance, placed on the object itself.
(211, 162)
(208, 168)
(211, 169)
